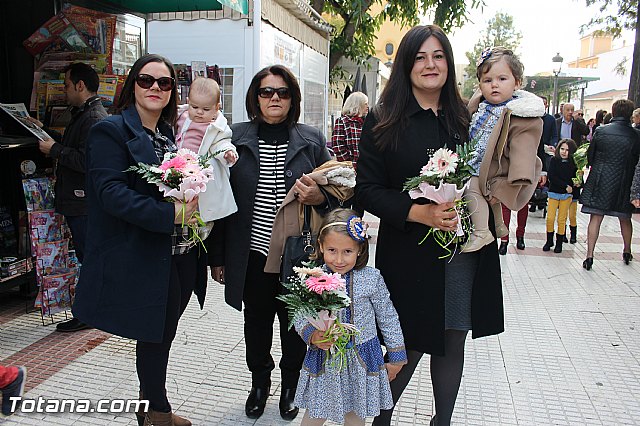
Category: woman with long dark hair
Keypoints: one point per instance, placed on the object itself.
(420, 111)
(139, 271)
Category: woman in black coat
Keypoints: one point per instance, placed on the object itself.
(275, 151)
(138, 274)
(419, 112)
(612, 155)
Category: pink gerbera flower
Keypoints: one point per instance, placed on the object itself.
(175, 163)
(326, 282)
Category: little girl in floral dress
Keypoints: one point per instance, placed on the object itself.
(359, 389)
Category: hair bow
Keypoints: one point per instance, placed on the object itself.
(486, 53)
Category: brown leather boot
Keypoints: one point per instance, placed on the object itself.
(157, 418)
(177, 420)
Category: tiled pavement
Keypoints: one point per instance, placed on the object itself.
(570, 354)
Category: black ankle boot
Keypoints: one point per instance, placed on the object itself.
(559, 240)
(288, 410)
(256, 402)
(574, 234)
(549, 243)
(520, 243)
(503, 248)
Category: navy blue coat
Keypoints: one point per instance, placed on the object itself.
(124, 282)
(232, 235)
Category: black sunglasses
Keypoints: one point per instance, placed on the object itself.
(146, 82)
(268, 92)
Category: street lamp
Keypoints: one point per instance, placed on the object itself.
(557, 66)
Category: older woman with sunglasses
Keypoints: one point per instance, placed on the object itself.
(275, 153)
(139, 271)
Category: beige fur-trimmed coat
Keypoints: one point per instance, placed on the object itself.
(510, 168)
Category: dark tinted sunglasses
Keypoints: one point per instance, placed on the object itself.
(146, 82)
(268, 92)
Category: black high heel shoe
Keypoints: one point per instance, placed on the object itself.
(588, 263)
(627, 257)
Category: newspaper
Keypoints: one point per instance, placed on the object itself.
(19, 113)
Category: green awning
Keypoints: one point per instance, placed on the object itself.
(157, 6)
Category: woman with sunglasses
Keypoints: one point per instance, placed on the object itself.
(138, 272)
(275, 153)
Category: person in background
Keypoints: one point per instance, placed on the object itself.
(276, 152)
(607, 118)
(80, 89)
(612, 155)
(561, 171)
(12, 381)
(140, 270)
(420, 111)
(347, 128)
(599, 119)
(635, 118)
(590, 124)
(571, 125)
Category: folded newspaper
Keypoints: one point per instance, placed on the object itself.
(20, 114)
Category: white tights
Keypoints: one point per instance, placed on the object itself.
(350, 419)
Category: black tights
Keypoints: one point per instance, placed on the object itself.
(152, 358)
(446, 373)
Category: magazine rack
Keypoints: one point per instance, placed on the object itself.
(49, 237)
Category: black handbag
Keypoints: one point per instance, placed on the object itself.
(298, 248)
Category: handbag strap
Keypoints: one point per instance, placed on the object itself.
(306, 225)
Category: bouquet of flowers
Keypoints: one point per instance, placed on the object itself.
(317, 296)
(444, 179)
(580, 158)
(181, 176)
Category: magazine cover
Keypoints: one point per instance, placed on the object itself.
(183, 74)
(97, 28)
(56, 293)
(8, 240)
(51, 258)
(45, 225)
(19, 113)
(38, 193)
(74, 40)
(46, 34)
(107, 89)
(198, 69)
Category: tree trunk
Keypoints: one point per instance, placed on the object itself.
(634, 81)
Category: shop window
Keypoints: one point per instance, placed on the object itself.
(226, 74)
(314, 105)
(127, 46)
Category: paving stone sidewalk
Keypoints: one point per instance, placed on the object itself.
(569, 356)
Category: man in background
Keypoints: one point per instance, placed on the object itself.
(571, 125)
(80, 88)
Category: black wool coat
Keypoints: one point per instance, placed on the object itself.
(124, 283)
(231, 236)
(612, 155)
(413, 273)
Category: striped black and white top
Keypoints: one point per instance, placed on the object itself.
(271, 191)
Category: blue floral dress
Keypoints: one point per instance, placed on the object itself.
(362, 386)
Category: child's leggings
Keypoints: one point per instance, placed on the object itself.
(479, 207)
(573, 211)
(350, 419)
(563, 209)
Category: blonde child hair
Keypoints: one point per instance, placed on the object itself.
(207, 87)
